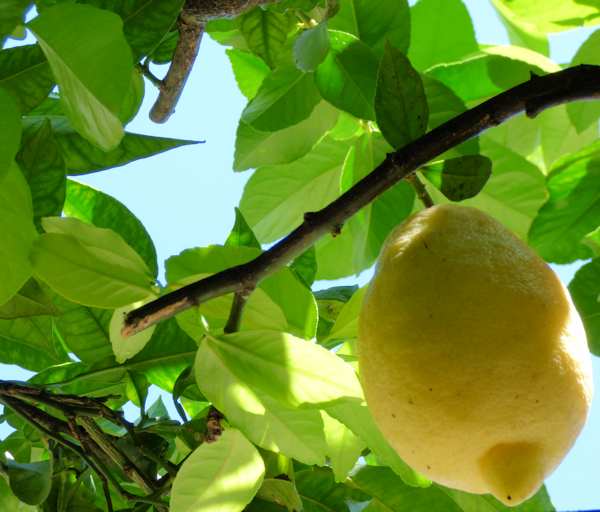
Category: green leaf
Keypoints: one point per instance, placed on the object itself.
(347, 76)
(84, 330)
(320, 492)
(12, 13)
(145, 22)
(29, 301)
(375, 22)
(344, 448)
(460, 178)
(282, 492)
(241, 235)
(295, 432)
(556, 15)
(311, 47)
(400, 103)
(265, 33)
(286, 368)
(101, 210)
(126, 348)
(89, 265)
(441, 31)
(285, 97)
(305, 266)
(391, 494)
(30, 343)
(520, 32)
(572, 210)
(584, 113)
(169, 352)
(346, 323)
(10, 131)
(24, 72)
(363, 235)
(222, 476)
(487, 503)
(72, 36)
(358, 418)
(513, 194)
(585, 290)
(8, 501)
(255, 148)
(44, 169)
(18, 232)
(249, 71)
(30, 482)
(491, 71)
(276, 197)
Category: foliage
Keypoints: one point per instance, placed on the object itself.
(332, 87)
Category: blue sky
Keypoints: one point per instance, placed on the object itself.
(185, 198)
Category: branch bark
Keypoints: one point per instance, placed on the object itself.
(533, 96)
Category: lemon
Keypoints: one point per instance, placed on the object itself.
(473, 359)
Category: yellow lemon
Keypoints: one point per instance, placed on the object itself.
(473, 359)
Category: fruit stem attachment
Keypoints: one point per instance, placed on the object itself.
(533, 96)
(420, 189)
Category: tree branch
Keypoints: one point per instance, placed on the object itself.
(533, 96)
(191, 22)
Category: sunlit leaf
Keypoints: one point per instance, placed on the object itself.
(343, 447)
(249, 70)
(265, 33)
(10, 131)
(460, 178)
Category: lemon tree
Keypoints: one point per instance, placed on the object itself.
(286, 392)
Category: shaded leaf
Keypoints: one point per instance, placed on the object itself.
(29, 301)
(265, 33)
(125, 348)
(585, 290)
(400, 103)
(311, 47)
(29, 482)
(460, 178)
(305, 266)
(320, 492)
(241, 235)
(24, 72)
(10, 131)
(282, 492)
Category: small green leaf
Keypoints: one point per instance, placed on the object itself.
(441, 31)
(249, 71)
(572, 210)
(347, 77)
(265, 33)
(10, 131)
(305, 266)
(400, 103)
(104, 211)
(374, 23)
(24, 72)
(585, 290)
(285, 97)
(72, 36)
(295, 432)
(290, 370)
(241, 235)
(12, 13)
(30, 482)
(18, 232)
(346, 323)
(320, 492)
(460, 178)
(311, 47)
(89, 265)
(222, 476)
(254, 148)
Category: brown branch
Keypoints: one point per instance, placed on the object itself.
(235, 315)
(420, 189)
(190, 25)
(533, 96)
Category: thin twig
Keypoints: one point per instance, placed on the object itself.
(237, 307)
(420, 189)
(580, 82)
(144, 67)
